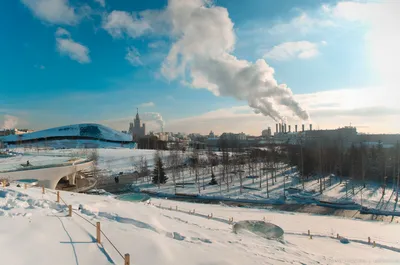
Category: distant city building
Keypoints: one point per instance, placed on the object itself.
(234, 136)
(211, 135)
(267, 132)
(136, 129)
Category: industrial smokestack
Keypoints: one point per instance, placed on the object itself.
(285, 128)
(280, 127)
(277, 128)
(289, 128)
(295, 128)
(302, 127)
(310, 127)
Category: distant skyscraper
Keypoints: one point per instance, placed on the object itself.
(135, 129)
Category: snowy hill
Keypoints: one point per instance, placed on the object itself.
(36, 229)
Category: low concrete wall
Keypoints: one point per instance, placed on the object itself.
(47, 177)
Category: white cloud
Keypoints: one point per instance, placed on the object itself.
(53, 11)
(289, 50)
(67, 46)
(169, 97)
(147, 104)
(157, 44)
(301, 24)
(101, 2)
(61, 32)
(118, 23)
(133, 56)
(40, 66)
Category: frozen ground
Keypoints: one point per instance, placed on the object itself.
(34, 228)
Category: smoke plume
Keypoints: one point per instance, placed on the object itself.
(9, 122)
(153, 117)
(202, 57)
(201, 54)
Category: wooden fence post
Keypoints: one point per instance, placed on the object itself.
(369, 240)
(127, 259)
(374, 244)
(58, 196)
(337, 236)
(43, 191)
(98, 232)
(69, 210)
(176, 208)
(308, 232)
(25, 186)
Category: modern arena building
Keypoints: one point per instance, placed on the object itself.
(71, 136)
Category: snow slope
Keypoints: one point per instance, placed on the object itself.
(35, 230)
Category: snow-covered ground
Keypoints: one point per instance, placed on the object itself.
(115, 160)
(36, 230)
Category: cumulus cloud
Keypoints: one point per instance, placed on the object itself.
(53, 11)
(67, 46)
(133, 56)
(290, 50)
(147, 104)
(120, 23)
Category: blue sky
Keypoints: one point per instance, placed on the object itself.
(97, 61)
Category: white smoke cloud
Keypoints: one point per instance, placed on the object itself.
(9, 122)
(201, 57)
(153, 117)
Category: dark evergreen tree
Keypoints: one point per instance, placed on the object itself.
(159, 177)
(213, 180)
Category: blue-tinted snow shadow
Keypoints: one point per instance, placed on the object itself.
(93, 240)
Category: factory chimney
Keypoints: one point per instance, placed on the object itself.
(289, 128)
(310, 127)
(302, 127)
(277, 128)
(280, 127)
(295, 128)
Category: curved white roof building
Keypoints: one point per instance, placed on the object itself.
(95, 134)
